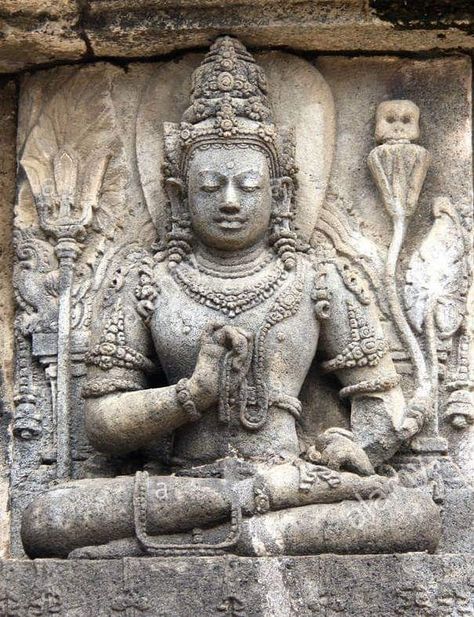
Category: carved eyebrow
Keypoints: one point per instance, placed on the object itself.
(209, 174)
(251, 175)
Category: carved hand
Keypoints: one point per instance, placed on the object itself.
(217, 341)
(340, 451)
(415, 413)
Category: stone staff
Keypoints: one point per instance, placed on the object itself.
(65, 216)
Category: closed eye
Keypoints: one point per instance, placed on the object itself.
(250, 188)
(210, 188)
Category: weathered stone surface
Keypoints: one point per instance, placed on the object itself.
(47, 32)
(314, 25)
(379, 586)
(39, 32)
(383, 194)
(97, 137)
(8, 122)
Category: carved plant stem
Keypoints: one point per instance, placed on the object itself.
(432, 355)
(67, 251)
(399, 170)
(419, 365)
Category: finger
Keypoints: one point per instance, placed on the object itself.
(209, 333)
(242, 347)
(210, 347)
(360, 463)
(233, 339)
(408, 429)
(331, 461)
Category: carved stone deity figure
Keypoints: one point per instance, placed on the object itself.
(230, 312)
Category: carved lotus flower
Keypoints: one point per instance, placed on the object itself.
(399, 170)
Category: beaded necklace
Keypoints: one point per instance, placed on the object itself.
(231, 301)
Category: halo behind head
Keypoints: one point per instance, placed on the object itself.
(298, 97)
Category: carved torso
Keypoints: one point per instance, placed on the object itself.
(287, 348)
(286, 311)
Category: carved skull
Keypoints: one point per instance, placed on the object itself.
(397, 121)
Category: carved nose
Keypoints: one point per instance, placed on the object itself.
(231, 203)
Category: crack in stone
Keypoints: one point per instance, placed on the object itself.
(83, 10)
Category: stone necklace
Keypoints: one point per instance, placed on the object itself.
(231, 301)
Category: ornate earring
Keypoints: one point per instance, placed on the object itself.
(283, 239)
(179, 238)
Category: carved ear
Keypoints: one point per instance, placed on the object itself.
(176, 194)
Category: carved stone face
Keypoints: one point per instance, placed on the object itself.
(229, 197)
(397, 121)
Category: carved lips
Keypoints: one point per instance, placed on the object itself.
(230, 222)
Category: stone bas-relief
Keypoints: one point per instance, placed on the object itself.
(198, 347)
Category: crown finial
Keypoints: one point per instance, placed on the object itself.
(228, 78)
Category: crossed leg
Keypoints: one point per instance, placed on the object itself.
(96, 518)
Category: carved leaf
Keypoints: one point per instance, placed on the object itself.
(66, 152)
(51, 284)
(435, 279)
(65, 174)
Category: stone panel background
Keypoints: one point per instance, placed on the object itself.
(326, 586)
(8, 121)
(38, 32)
(42, 33)
(358, 85)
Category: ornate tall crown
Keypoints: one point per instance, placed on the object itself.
(228, 105)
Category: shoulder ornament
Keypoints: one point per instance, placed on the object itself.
(365, 348)
(112, 350)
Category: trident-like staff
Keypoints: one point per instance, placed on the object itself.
(65, 210)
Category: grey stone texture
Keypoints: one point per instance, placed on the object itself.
(8, 124)
(317, 383)
(137, 310)
(380, 586)
(38, 32)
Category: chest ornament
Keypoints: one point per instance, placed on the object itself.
(231, 301)
(253, 399)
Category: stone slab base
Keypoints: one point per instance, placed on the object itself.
(414, 584)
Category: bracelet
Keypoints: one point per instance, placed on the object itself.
(185, 400)
(336, 430)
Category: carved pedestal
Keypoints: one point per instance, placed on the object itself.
(325, 586)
